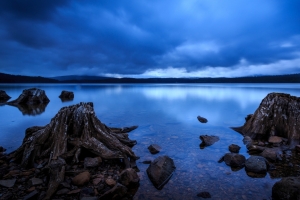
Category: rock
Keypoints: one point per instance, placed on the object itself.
(117, 192)
(8, 183)
(275, 140)
(277, 115)
(202, 119)
(66, 95)
(288, 188)
(3, 96)
(31, 96)
(154, 148)
(255, 149)
(63, 191)
(74, 191)
(86, 192)
(256, 164)
(234, 160)
(160, 171)
(81, 179)
(92, 162)
(35, 181)
(208, 140)
(129, 177)
(96, 181)
(233, 148)
(272, 154)
(32, 195)
(110, 182)
(204, 195)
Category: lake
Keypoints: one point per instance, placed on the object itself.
(166, 115)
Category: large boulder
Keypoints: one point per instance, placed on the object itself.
(287, 188)
(3, 96)
(234, 160)
(31, 96)
(208, 140)
(277, 115)
(160, 171)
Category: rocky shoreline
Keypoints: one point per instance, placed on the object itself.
(75, 156)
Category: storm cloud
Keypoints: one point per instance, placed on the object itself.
(140, 38)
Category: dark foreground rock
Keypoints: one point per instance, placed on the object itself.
(66, 95)
(73, 152)
(3, 96)
(208, 140)
(160, 171)
(202, 119)
(287, 188)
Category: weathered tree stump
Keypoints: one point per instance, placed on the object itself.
(277, 115)
(73, 129)
(31, 96)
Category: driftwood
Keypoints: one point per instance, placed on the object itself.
(74, 129)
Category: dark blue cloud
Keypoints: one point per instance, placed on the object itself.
(131, 37)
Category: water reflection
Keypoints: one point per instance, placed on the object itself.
(167, 115)
(31, 109)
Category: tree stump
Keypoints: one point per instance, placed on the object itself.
(277, 115)
(73, 129)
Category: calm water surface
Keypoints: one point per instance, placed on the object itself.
(166, 115)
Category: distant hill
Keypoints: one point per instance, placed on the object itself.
(7, 78)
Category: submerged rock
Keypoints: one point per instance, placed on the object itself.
(208, 140)
(160, 171)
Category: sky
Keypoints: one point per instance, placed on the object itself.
(150, 38)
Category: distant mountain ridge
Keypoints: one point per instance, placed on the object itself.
(8, 78)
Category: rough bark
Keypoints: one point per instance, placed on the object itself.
(277, 115)
(73, 129)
